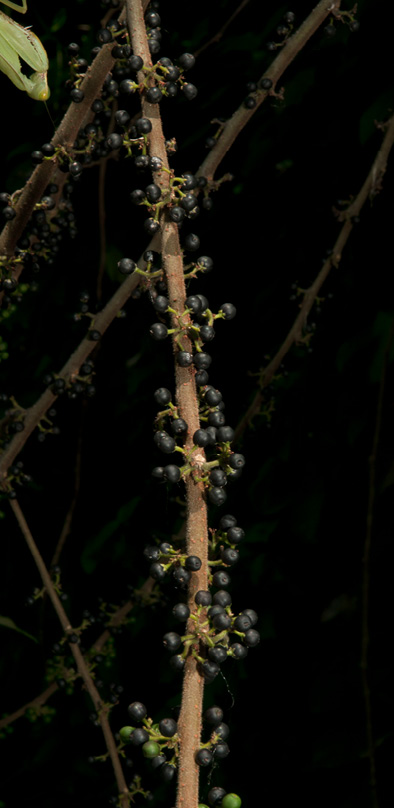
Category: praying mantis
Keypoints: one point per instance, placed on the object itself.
(17, 42)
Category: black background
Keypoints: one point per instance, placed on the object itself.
(295, 707)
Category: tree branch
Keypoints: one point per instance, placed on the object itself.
(189, 724)
(370, 188)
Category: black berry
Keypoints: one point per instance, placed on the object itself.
(181, 611)
(172, 641)
(203, 598)
(193, 563)
(137, 711)
(168, 727)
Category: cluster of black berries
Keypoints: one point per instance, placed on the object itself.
(156, 740)
(179, 199)
(165, 558)
(211, 635)
(79, 385)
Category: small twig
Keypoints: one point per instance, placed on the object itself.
(217, 37)
(366, 573)
(101, 708)
(295, 334)
(242, 116)
(70, 513)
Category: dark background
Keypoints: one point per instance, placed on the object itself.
(295, 707)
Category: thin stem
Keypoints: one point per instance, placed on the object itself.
(366, 573)
(101, 708)
(70, 512)
(217, 37)
(370, 188)
(189, 724)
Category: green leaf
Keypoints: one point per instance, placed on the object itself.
(8, 623)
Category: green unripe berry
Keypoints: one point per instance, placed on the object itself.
(150, 749)
(202, 805)
(231, 801)
(125, 733)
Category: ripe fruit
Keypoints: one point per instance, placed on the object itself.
(266, 84)
(221, 579)
(201, 438)
(190, 91)
(187, 61)
(172, 473)
(172, 641)
(229, 556)
(222, 598)
(143, 126)
(168, 727)
(203, 598)
(179, 426)
(217, 496)
(154, 95)
(137, 196)
(204, 757)
(162, 396)
(252, 638)
(221, 750)
(137, 711)
(215, 795)
(227, 521)
(192, 242)
(202, 361)
(209, 670)
(139, 736)
(228, 310)
(236, 461)
(126, 266)
(221, 622)
(217, 654)
(158, 331)
(184, 359)
(242, 622)
(193, 563)
(181, 611)
(235, 535)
